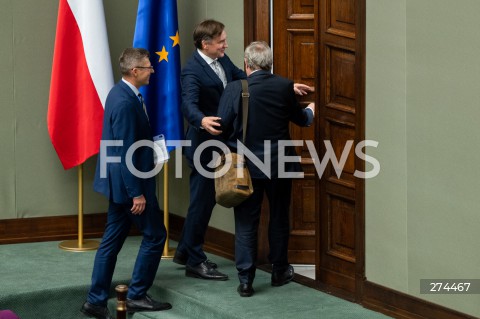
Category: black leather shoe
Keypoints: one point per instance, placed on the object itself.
(281, 277)
(181, 259)
(245, 290)
(99, 312)
(146, 304)
(211, 264)
(204, 271)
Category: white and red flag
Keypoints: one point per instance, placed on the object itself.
(81, 79)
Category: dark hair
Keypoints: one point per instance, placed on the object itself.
(206, 31)
(130, 58)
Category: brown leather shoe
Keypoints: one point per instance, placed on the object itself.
(204, 271)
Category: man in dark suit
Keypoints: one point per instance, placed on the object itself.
(202, 87)
(203, 80)
(131, 193)
(272, 106)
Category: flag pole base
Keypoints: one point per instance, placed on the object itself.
(73, 245)
(168, 253)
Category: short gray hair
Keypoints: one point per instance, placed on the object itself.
(258, 55)
(130, 58)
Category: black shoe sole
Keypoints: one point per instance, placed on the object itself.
(87, 313)
(130, 310)
(278, 284)
(245, 294)
(195, 275)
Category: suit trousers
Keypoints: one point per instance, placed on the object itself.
(119, 221)
(247, 218)
(202, 202)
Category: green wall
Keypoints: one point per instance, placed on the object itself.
(7, 118)
(422, 89)
(33, 182)
(422, 93)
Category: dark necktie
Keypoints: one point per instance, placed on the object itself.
(140, 97)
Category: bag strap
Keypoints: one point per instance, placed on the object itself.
(245, 96)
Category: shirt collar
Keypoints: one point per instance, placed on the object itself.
(130, 85)
(207, 59)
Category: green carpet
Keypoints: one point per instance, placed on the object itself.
(39, 280)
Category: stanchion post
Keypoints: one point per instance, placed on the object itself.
(121, 301)
(167, 252)
(80, 244)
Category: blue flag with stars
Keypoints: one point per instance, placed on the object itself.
(156, 30)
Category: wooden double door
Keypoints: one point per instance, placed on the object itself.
(322, 43)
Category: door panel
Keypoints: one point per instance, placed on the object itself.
(340, 30)
(294, 58)
(340, 17)
(322, 43)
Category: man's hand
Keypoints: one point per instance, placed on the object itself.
(311, 106)
(302, 89)
(211, 124)
(138, 205)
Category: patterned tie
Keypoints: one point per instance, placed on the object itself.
(218, 71)
(140, 97)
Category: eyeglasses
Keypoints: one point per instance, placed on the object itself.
(144, 67)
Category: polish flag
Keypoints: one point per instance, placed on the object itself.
(81, 79)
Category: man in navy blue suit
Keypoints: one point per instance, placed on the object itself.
(204, 78)
(131, 193)
(272, 106)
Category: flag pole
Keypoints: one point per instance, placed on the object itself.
(167, 252)
(80, 244)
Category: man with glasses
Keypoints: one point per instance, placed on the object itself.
(132, 198)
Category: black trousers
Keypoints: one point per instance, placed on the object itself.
(247, 217)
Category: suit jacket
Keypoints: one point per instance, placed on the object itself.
(272, 105)
(126, 121)
(201, 91)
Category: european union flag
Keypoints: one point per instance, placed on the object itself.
(157, 31)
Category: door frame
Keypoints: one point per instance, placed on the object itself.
(257, 24)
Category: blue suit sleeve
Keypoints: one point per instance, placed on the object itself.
(238, 74)
(124, 128)
(298, 114)
(227, 110)
(232, 72)
(191, 87)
